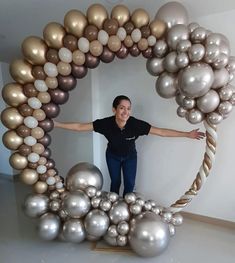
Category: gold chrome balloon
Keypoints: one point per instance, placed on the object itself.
(21, 71)
(158, 28)
(18, 161)
(29, 176)
(140, 18)
(121, 13)
(75, 22)
(12, 140)
(53, 34)
(40, 187)
(11, 118)
(13, 95)
(96, 14)
(34, 50)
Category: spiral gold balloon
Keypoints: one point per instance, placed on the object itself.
(96, 14)
(21, 71)
(158, 28)
(75, 22)
(53, 34)
(34, 50)
(17, 161)
(12, 140)
(29, 176)
(140, 18)
(121, 13)
(13, 95)
(11, 118)
(40, 187)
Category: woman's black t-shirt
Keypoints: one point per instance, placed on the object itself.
(121, 141)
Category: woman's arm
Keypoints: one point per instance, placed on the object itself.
(74, 126)
(194, 134)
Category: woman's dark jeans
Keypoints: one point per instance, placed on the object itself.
(128, 165)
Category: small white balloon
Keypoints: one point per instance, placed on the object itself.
(83, 44)
(136, 35)
(50, 69)
(59, 185)
(30, 140)
(121, 33)
(41, 169)
(34, 103)
(103, 37)
(30, 122)
(33, 157)
(40, 85)
(50, 180)
(151, 40)
(65, 55)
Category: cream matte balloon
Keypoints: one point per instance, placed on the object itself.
(18, 161)
(11, 118)
(35, 205)
(13, 95)
(96, 15)
(209, 102)
(166, 85)
(140, 18)
(29, 176)
(12, 140)
(30, 122)
(74, 231)
(75, 22)
(34, 103)
(114, 43)
(195, 80)
(176, 34)
(103, 37)
(50, 69)
(53, 34)
(136, 35)
(40, 85)
(121, 13)
(83, 44)
(21, 71)
(78, 57)
(121, 33)
(172, 13)
(65, 55)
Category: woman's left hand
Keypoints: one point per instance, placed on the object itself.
(196, 134)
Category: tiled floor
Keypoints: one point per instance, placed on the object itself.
(194, 242)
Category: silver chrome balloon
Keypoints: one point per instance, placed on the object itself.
(121, 240)
(91, 191)
(112, 241)
(221, 61)
(95, 201)
(177, 219)
(188, 103)
(76, 204)
(130, 198)
(182, 60)
(192, 26)
(149, 236)
(225, 108)
(198, 35)
(196, 52)
(48, 226)
(169, 62)
(35, 205)
(105, 205)
(221, 78)
(123, 228)
(181, 112)
(83, 175)
(166, 217)
(119, 212)
(135, 209)
(113, 197)
(231, 64)
(179, 98)
(160, 48)
(183, 46)
(211, 53)
(55, 205)
(214, 118)
(112, 231)
(166, 85)
(96, 223)
(154, 66)
(74, 231)
(147, 206)
(194, 116)
(171, 229)
(226, 92)
(209, 102)
(232, 99)
(176, 34)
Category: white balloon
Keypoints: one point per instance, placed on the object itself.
(41, 169)
(33, 157)
(59, 185)
(83, 44)
(103, 37)
(30, 122)
(65, 55)
(50, 69)
(50, 180)
(30, 140)
(34, 103)
(136, 35)
(151, 40)
(40, 85)
(121, 33)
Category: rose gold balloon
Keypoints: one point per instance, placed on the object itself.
(91, 61)
(11, 118)
(37, 133)
(29, 176)
(121, 13)
(52, 56)
(25, 150)
(129, 27)
(75, 22)
(114, 43)
(51, 172)
(43, 177)
(25, 110)
(91, 32)
(44, 97)
(51, 109)
(96, 14)
(42, 161)
(66, 83)
(40, 187)
(145, 31)
(128, 42)
(50, 164)
(51, 82)
(134, 50)
(143, 44)
(64, 68)
(96, 48)
(140, 18)
(158, 28)
(45, 140)
(148, 53)
(122, 52)
(38, 72)
(47, 125)
(111, 26)
(12, 140)
(18, 161)
(30, 90)
(59, 96)
(23, 131)
(70, 42)
(53, 34)
(79, 72)
(107, 56)
(13, 94)
(39, 114)
(38, 148)
(78, 57)
(34, 49)
(32, 165)
(21, 71)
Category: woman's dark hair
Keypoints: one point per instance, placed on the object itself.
(118, 99)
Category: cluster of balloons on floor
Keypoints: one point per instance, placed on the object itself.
(190, 63)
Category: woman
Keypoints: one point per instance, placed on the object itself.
(121, 130)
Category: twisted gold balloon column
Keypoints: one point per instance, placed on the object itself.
(190, 63)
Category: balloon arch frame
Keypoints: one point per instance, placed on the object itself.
(175, 51)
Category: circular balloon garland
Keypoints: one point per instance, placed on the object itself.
(191, 64)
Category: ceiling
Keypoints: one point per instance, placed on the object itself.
(22, 18)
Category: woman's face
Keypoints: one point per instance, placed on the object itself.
(123, 110)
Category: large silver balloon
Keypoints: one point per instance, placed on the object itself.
(172, 13)
(217, 39)
(74, 231)
(169, 62)
(196, 52)
(160, 48)
(221, 78)
(166, 85)
(195, 80)
(83, 175)
(155, 66)
(96, 223)
(209, 102)
(176, 34)
(119, 212)
(48, 226)
(148, 235)
(76, 204)
(194, 116)
(35, 205)
(214, 118)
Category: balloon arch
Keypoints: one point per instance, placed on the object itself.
(190, 63)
